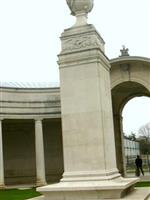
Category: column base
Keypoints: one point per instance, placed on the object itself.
(2, 186)
(83, 190)
(40, 183)
(98, 175)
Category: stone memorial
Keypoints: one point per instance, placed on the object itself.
(90, 170)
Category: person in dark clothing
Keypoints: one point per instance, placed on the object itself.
(139, 166)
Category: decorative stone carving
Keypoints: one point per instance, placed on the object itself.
(79, 43)
(124, 51)
(80, 9)
(125, 67)
(81, 38)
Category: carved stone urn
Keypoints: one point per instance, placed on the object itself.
(80, 9)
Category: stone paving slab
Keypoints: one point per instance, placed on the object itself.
(146, 177)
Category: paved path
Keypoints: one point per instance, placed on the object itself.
(146, 177)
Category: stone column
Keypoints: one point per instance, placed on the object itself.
(87, 122)
(119, 144)
(39, 149)
(1, 158)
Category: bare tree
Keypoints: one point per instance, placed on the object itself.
(132, 136)
(144, 131)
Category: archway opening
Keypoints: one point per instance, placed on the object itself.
(136, 131)
(121, 94)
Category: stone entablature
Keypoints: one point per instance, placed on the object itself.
(30, 103)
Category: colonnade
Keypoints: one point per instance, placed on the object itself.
(39, 151)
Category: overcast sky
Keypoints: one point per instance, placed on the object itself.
(135, 114)
(30, 31)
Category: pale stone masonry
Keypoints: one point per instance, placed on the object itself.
(86, 124)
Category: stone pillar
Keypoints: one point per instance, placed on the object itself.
(1, 158)
(39, 149)
(87, 122)
(119, 144)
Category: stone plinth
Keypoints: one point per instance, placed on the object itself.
(112, 189)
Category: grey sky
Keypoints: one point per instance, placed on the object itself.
(136, 113)
(30, 31)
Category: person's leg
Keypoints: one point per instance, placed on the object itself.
(142, 170)
(137, 171)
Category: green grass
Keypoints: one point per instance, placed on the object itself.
(143, 184)
(15, 194)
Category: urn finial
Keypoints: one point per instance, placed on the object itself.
(80, 9)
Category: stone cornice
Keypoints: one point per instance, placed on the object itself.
(130, 58)
(30, 90)
(32, 116)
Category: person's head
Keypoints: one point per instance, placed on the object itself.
(138, 156)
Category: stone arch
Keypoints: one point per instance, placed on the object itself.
(130, 77)
(121, 94)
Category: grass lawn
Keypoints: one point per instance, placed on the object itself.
(143, 184)
(16, 194)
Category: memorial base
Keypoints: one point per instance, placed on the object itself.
(84, 190)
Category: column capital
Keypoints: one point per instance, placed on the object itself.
(38, 119)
